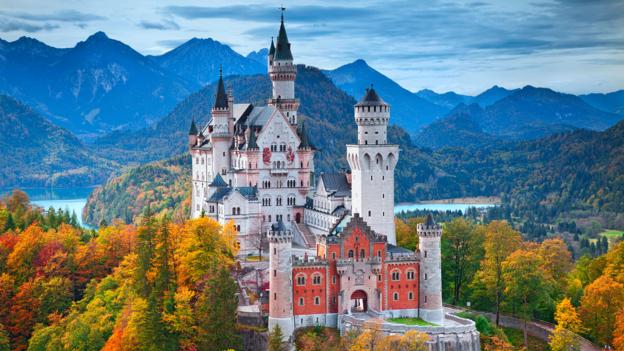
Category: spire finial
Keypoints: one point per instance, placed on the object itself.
(282, 8)
(220, 71)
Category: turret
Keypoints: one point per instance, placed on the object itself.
(430, 304)
(280, 281)
(192, 136)
(372, 161)
(283, 73)
(271, 53)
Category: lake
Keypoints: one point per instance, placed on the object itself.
(75, 199)
(72, 199)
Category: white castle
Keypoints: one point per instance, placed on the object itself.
(255, 164)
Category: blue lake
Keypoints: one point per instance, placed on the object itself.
(72, 199)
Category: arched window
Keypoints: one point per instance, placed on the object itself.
(316, 279)
(317, 300)
(410, 295)
(395, 296)
(362, 253)
(396, 275)
(301, 279)
(411, 275)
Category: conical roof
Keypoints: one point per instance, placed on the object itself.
(272, 48)
(218, 182)
(429, 222)
(305, 141)
(193, 130)
(251, 143)
(282, 50)
(221, 99)
(371, 99)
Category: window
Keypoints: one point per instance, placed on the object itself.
(301, 301)
(350, 253)
(425, 276)
(395, 296)
(378, 253)
(333, 255)
(275, 272)
(410, 275)
(425, 253)
(396, 275)
(425, 298)
(301, 280)
(410, 295)
(369, 213)
(317, 300)
(362, 253)
(334, 280)
(316, 279)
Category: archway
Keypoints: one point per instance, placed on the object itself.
(359, 302)
(298, 217)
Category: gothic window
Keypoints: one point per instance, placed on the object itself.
(378, 253)
(425, 253)
(395, 296)
(301, 279)
(410, 295)
(278, 201)
(410, 275)
(333, 255)
(334, 280)
(369, 213)
(301, 301)
(396, 275)
(316, 279)
(317, 300)
(362, 253)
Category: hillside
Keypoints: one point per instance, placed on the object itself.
(35, 152)
(409, 111)
(198, 61)
(610, 102)
(165, 185)
(460, 128)
(448, 100)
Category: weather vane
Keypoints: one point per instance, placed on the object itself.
(282, 8)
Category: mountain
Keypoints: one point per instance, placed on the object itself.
(460, 128)
(259, 56)
(492, 95)
(448, 100)
(99, 85)
(198, 61)
(610, 102)
(408, 109)
(35, 152)
(530, 113)
(527, 113)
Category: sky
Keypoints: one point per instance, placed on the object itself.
(574, 46)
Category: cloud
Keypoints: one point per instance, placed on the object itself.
(58, 16)
(9, 25)
(165, 24)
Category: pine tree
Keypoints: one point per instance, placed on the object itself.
(216, 313)
(10, 223)
(145, 251)
(276, 338)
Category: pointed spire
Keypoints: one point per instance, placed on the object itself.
(282, 51)
(272, 48)
(429, 222)
(221, 100)
(193, 130)
(305, 141)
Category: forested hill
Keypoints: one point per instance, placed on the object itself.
(35, 152)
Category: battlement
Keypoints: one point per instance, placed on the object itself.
(280, 236)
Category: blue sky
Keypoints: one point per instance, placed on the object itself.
(574, 46)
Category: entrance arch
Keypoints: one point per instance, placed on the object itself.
(298, 217)
(359, 302)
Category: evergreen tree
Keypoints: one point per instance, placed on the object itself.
(216, 313)
(605, 244)
(74, 219)
(10, 223)
(276, 338)
(145, 251)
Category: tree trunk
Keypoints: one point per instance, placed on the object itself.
(526, 336)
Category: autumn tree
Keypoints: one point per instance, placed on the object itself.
(216, 313)
(406, 232)
(276, 338)
(526, 284)
(568, 321)
(500, 241)
(371, 338)
(462, 250)
(5, 343)
(556, 262)
(618, 332)
(603, 298)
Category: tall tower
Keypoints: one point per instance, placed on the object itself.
(429, 235)
(221, 129)
(280, 281)
(283, 73)
(372, 161)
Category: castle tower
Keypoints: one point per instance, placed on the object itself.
(429, 235)
(283, 73)
(372, 161)
(280, 281)
(221, 129)
(192, 137)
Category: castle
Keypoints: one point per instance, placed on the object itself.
(332, 247)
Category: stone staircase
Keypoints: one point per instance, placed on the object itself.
(306, 234)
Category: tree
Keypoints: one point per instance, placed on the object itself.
(215, 313)
(406, 232)
(601, 301)
(412, 340)
(276, 338)
(371, 338)
(618, 332)
(557, 261)
(462, 249)
(525, 284)
(568, 321)
(5, 344)
(500, 241)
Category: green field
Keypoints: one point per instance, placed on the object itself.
(612, 234)
(411, 321)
